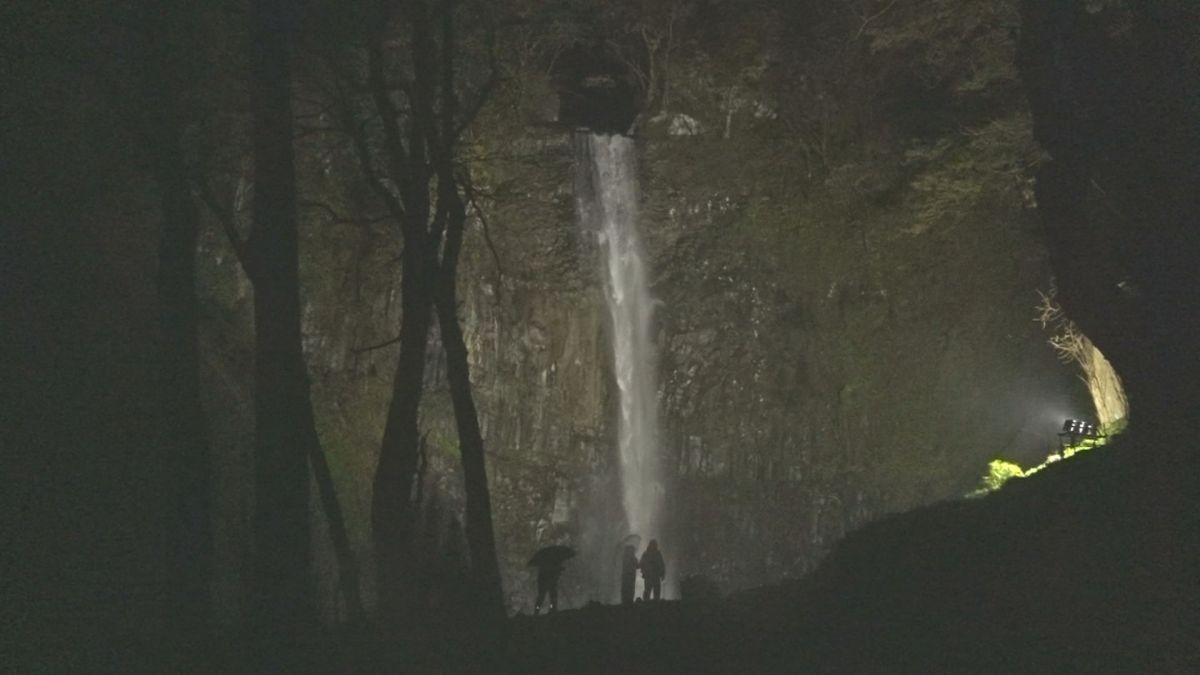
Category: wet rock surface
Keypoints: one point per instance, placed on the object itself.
(839, 337)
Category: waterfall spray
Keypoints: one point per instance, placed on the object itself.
(607, 205)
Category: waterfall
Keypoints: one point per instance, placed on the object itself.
(607, 197)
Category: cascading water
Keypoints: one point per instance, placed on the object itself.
(607, 204)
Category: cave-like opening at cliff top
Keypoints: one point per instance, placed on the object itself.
(596, 91)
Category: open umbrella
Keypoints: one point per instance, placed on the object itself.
(551, 555)
(633, 540)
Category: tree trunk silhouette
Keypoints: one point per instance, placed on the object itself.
(481, 538)
(393, 513)
(188, 528)
(157, 119)
(252, 263)
(349, 584)
(485, 571)
(406, 150)
(285, 435)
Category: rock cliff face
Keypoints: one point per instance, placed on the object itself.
(1113, 86)
(847, 264)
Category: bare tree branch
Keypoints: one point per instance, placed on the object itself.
(473, 202)
(303, 131)
(356, 129)
(339, 218)
(371, 348)
(399, 155)
(485, 92)
(226, 219)
(868, 19)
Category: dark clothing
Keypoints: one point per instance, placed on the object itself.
(548, 586)
(653, 571)
(629, 566)
(653, 589)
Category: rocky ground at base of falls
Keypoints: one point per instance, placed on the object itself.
(1088, 566)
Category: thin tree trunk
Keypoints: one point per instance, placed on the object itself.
(411, 163)
(393, 513)
(284, 432)
(392, 509)
(481, 537)
(348, 578)
(485, 571)
(188, 483)
(348, 573)
(158, 121)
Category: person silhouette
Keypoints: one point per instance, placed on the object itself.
(653, 571)
(629, 567)
(549, 563)
(547, 585)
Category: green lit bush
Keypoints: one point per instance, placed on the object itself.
(1000, 471)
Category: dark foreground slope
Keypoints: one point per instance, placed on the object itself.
(1088, 566)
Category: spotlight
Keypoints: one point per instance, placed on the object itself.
(1079, 427)
(1074, 431)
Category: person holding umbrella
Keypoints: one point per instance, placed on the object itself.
(629, 567)
(549, 562)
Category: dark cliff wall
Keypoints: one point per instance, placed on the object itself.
(838, 215)
(1115, 91)
(847, 325)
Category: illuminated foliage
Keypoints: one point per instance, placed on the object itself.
(1001, 471)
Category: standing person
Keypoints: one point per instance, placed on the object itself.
(547, 585)
(549, 563)
(653, 571)
(629, 567)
